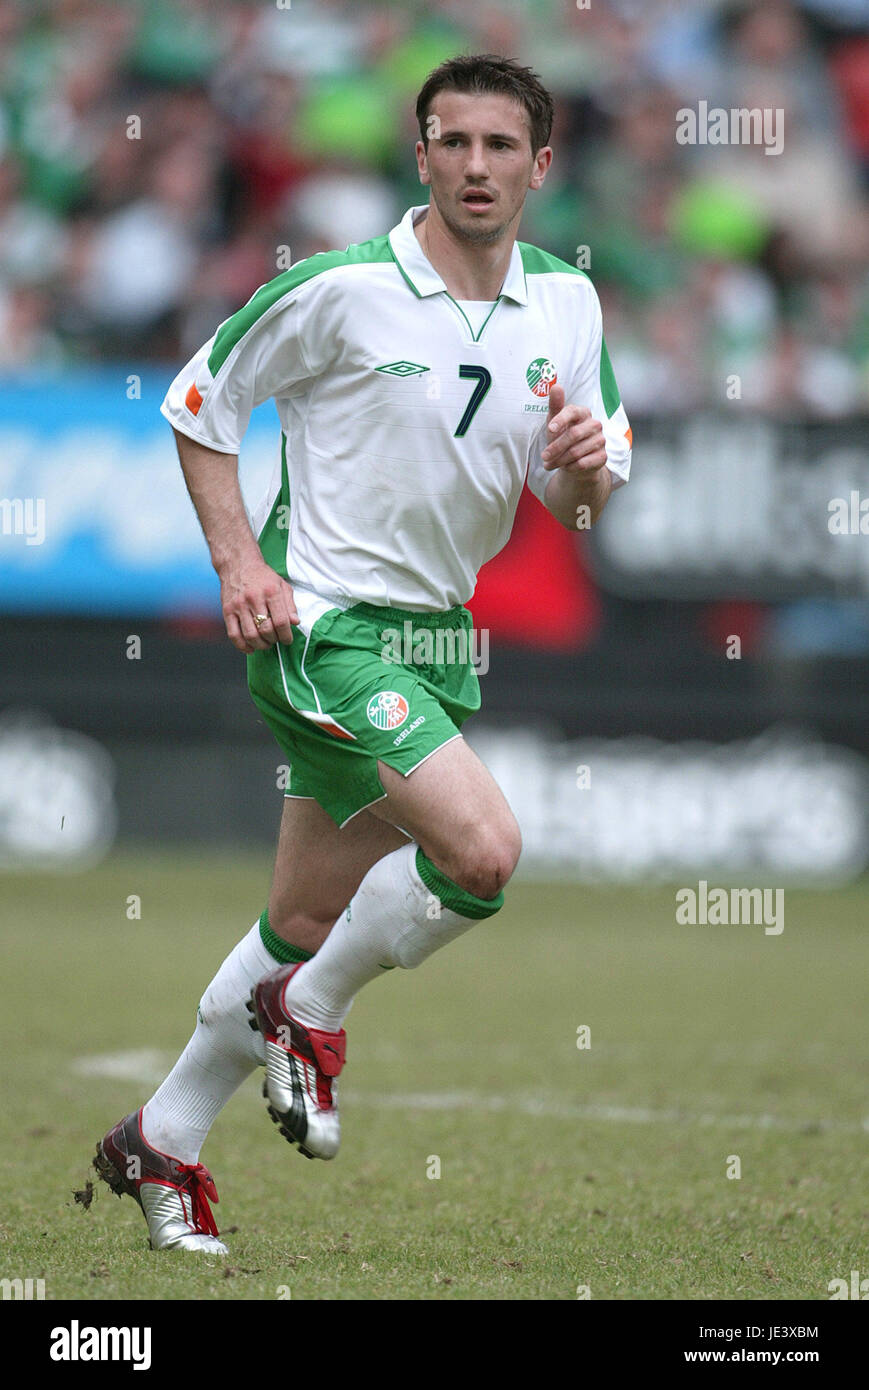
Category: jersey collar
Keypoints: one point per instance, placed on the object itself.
(421, 275)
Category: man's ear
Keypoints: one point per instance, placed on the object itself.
(422, 163)
(542, 162)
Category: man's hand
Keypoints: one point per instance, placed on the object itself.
(575, 455)
(249, 589)
(576, 442)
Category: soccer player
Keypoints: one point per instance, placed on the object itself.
(421, 379)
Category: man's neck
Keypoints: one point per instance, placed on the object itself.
(469, 270)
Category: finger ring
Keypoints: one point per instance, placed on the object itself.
(260, 618)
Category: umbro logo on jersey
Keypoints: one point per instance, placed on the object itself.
(541, 375)
(402, 369)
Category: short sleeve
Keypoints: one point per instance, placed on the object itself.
(257, 353)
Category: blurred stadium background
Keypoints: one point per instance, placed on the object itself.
(156, 162)
(679, 695)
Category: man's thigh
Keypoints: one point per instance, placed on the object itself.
(319, 866)
(457, 813)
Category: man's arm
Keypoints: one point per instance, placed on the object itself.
(248, 586)
(576, 456)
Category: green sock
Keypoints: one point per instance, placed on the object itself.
(282, 950)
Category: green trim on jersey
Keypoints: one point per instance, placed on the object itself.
(537, 262)
(476, 336)
(404, 274)
(234, 328)
(612, 396)
(273, 536)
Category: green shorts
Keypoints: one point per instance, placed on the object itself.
(366, 683)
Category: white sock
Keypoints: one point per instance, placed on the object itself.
(223, 1050)
(394, 919)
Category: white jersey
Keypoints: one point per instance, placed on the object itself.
(407, 434)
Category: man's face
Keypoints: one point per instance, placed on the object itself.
(482, 165)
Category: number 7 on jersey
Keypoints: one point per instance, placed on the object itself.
(483, 378)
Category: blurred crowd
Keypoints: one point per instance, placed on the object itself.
(159, 159)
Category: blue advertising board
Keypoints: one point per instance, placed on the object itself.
(94, 512)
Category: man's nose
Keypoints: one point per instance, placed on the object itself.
(478, 161)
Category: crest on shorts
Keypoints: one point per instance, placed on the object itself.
(387, 710)
(540, 375)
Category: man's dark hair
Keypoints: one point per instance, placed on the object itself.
(486, 72)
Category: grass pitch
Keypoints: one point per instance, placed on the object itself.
(561, 1168)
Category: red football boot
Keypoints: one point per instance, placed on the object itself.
(174, 1196)
(301, 1066)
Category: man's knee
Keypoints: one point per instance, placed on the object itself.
(305, 929)
(483, 864)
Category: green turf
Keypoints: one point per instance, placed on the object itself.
(560, 1167)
